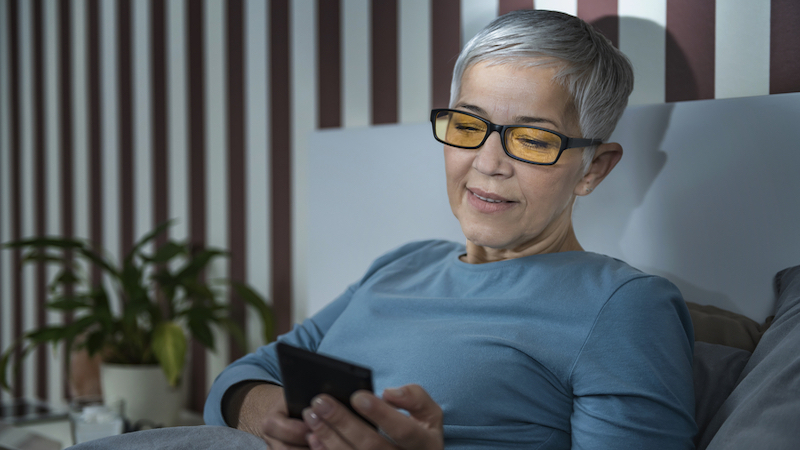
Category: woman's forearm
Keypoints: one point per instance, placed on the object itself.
(248, 403)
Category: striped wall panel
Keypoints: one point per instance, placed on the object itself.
(118, 115)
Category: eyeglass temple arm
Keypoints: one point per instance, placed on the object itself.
(580, 142)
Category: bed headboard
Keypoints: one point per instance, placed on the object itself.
(705, 195)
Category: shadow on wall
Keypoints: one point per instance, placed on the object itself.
(639, 37)
(732, 198)
(705, 196)
(641, 132)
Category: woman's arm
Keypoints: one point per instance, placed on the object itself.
(259, 409)
(262, 366)
(632, 380)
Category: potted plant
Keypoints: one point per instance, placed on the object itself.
(162, 297)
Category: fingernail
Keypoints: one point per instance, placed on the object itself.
(310, 418)
(314, 443)
(393, 392)
(321, 406)
(361, 402)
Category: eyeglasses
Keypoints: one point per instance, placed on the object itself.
(528, 144)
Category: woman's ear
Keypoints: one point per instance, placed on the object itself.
(605, 159)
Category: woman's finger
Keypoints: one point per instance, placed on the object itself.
(423, 430)
(333, 426)
(414, 399)
(286, 430)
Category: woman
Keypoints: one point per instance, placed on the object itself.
(519, 339)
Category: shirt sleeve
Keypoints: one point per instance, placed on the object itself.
(262, 365)
(632, 381)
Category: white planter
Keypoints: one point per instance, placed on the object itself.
(144, 392)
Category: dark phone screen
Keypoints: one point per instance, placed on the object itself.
(307, 374)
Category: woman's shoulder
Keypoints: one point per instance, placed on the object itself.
(594, 272)
(629, 287)
(584, 264)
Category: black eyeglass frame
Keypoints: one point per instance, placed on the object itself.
(566, 141)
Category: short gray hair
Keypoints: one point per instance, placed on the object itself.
(597, 76)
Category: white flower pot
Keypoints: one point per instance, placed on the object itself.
(144, 392)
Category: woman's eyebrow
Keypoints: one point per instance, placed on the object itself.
(530, 119)
(475, 109)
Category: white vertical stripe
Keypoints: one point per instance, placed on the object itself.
(27, 182)
(304, 113)
(565, 6)
(80, 119)
(642, 37)
(53, 108)
(741, 64)
(476, 14)
(110, 136)
(5, 183)
(257, 163)
(355, 26)
(142, 115)
(415, 60)
(216, 159)
(177, 113)
(178, 162)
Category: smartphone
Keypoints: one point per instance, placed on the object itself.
(306, 374)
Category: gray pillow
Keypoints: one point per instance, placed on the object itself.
(763, 411)
(716, 372)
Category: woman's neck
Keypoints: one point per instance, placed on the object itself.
(558, 242)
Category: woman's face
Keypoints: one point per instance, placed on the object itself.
(506, 206)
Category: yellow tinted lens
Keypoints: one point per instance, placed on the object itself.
(533, 145)
(460, 130)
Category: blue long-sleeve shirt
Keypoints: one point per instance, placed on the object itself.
(555, 351)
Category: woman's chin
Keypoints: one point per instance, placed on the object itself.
(488, 240)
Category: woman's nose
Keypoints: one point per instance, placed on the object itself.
(491, 160)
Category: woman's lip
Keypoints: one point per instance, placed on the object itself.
(487, 195)
(481, 203)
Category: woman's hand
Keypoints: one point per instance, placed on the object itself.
(260, 409)
(334, 427)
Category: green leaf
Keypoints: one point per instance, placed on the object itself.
(79, 327)
(166, 252)
(147, 238)
(46, 241)
(99, 297)
(17, 363)
(65, 277)
(198, 262)
(95, 342)
(4, 368)
(169, 346)
(131, 280)
(47, 334)
(98, 260)
(201, 331)
(40, 255)
(235, 331)
(255, 300)
(70, 303)
(166, 284)
(198, 291)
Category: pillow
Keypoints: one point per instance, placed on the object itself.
(763, 409)
(718, 326)
(716, 371)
